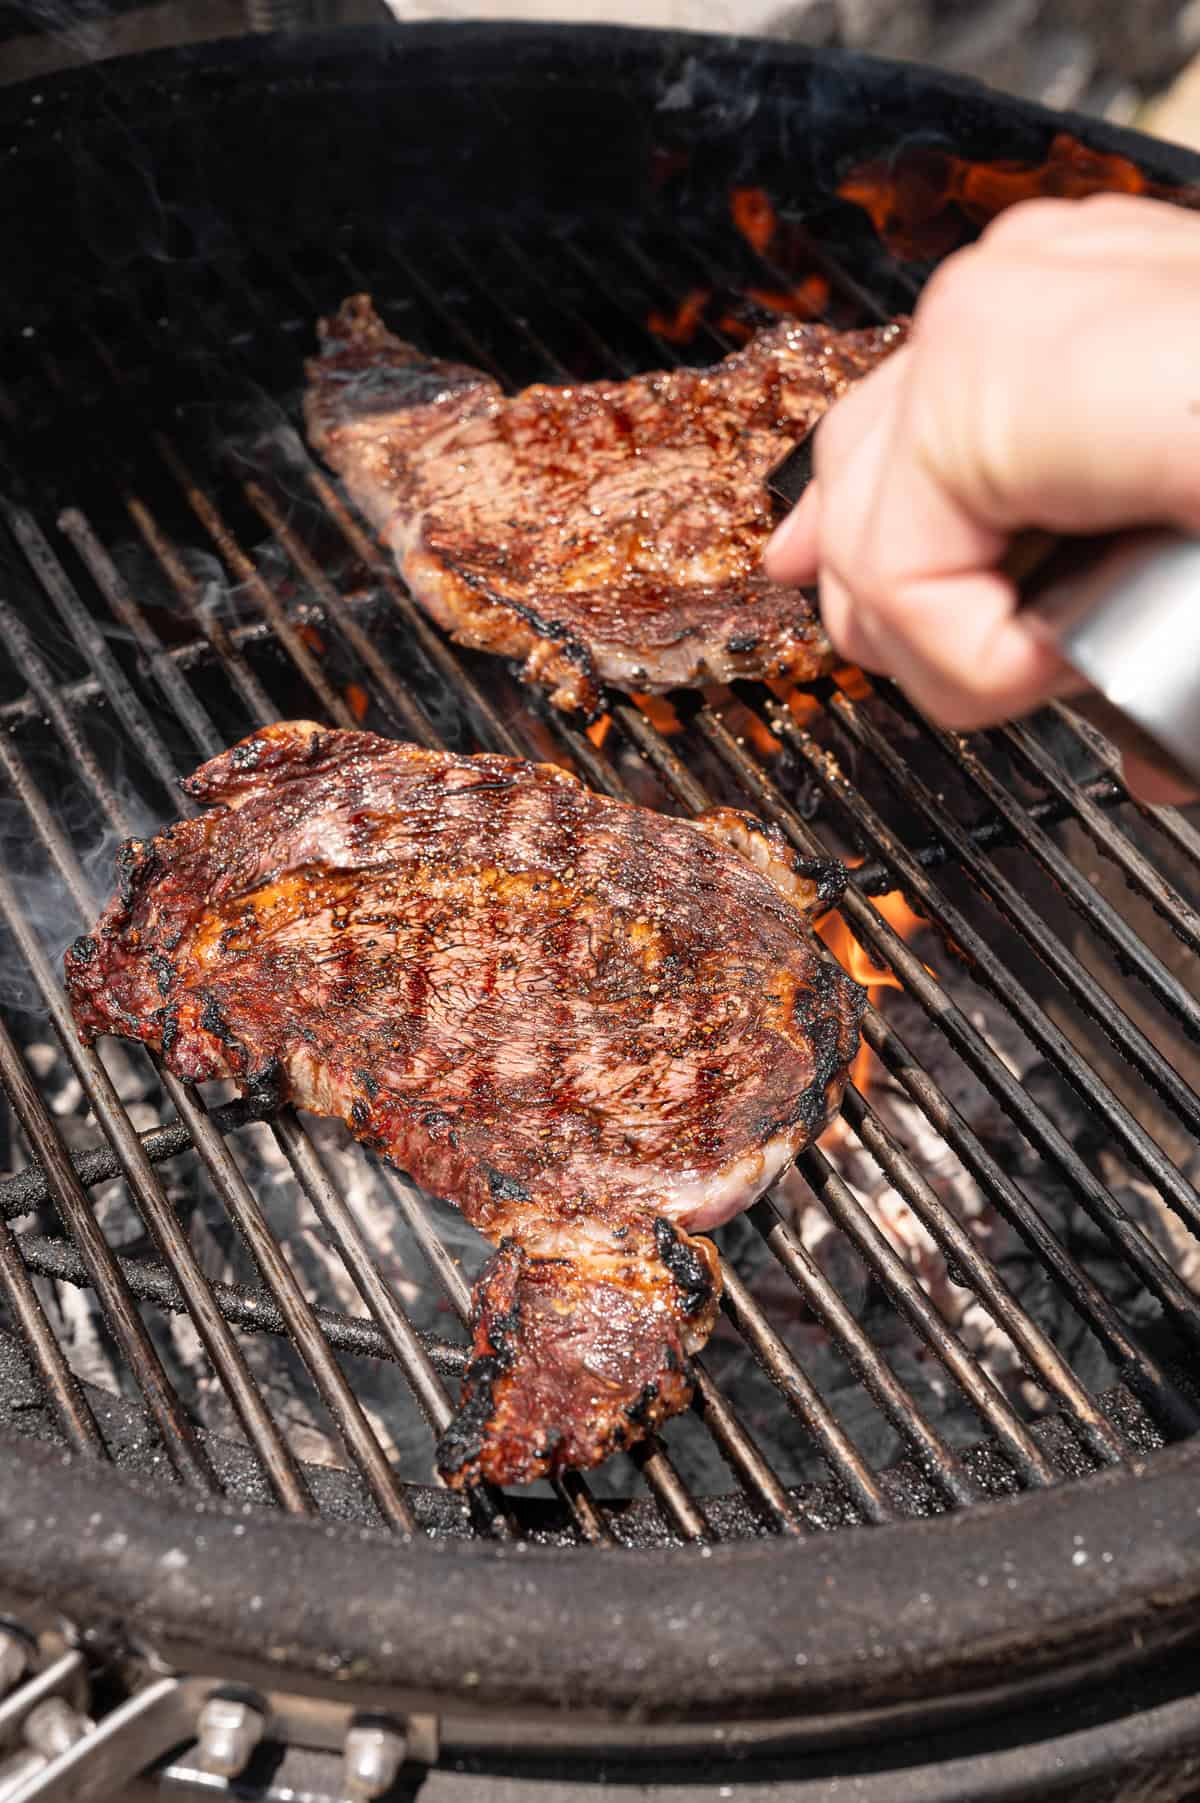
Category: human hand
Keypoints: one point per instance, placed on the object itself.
(1051, 379)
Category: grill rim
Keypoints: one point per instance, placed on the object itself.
(448, 1613)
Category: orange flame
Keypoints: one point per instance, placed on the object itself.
(858, 964)
(681, 326)
(660, 713)
(801, 703)
(850, 954)
(804, 707)
(806, 300)
(357, 700)
(764, 740)
(754, 216)
(919, 199)
(599, 730)
(852, 682)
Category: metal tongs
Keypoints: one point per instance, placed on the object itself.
(1123, 609)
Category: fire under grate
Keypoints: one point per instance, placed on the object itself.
(980, 1282)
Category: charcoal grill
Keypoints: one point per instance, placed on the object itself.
(1008, 1611)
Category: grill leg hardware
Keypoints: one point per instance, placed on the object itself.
(227, 1732)
(54, 1726)
(374, 1755)
(14, 1657)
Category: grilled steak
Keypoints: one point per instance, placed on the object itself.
(610, 532)
(595, 1028)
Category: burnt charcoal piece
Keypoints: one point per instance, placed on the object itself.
(606, 533)
(596, 1029)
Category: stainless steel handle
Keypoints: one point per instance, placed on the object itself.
(1124, 611)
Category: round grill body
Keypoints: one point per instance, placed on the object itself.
(533, 200)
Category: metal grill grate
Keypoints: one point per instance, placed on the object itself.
(157, 420)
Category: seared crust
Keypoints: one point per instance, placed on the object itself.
(605, 533)
(589, 1025)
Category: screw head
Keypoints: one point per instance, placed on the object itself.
(53, 1726)
(373, 1756)
(227, 1732)
(14, 1657)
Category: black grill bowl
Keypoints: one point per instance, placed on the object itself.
(1030, 1645)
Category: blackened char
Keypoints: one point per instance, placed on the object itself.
(596, 1029)
(608, 532)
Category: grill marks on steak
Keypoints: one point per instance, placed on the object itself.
(604, 533)
(595, 1028)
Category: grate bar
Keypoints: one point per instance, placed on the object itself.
(1144, 1371)
(655, 295)
(247, 573)
(338, 1220)
(1098, 912)
(281, 1468)
(1052, 1369)
(1139, 1367)
(916, 1308)
(872, 1371)
(1137, 868)
(606, 353)
(183, 1448)
(1125, 1035)
(985, 964)
(108, 579)
(404, 708)
(27, 1189)
(87, 635)
(868, 924)
(1174, 826)
(805, 1402)
(58, 1380)
(253, 1309)
(247, 1216)
(743, 1456)
(242, 677)
(24, 710)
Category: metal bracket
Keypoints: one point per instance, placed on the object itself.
(57, 1755)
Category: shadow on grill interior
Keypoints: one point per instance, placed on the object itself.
(929, 1528)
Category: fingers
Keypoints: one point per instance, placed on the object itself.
(793, 552)
(1026, 396)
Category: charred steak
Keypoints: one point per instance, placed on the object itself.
(610, 532)
(595, 1028)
